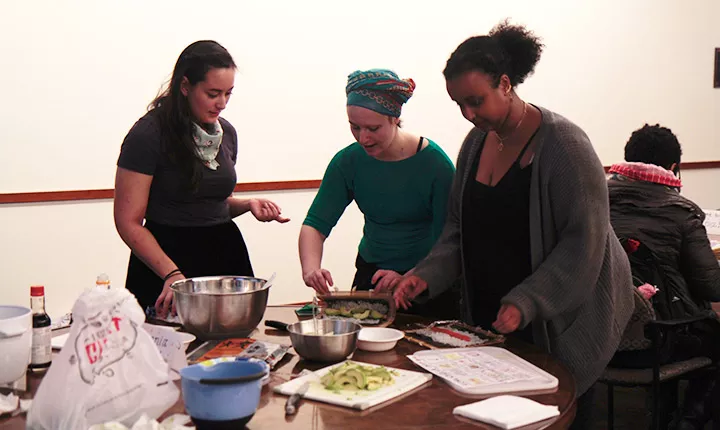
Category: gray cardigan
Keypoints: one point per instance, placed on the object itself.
(579, 296)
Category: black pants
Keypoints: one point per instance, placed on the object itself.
(583, 414)
(217, 250)
(445, 306)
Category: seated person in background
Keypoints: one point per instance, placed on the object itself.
(399, 180)
(646, 206)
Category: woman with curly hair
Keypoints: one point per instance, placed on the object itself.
(528, 228)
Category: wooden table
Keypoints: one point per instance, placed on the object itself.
(428, 407)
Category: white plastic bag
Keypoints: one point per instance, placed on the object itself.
(108, 370)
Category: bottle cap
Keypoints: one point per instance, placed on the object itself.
(37, 290)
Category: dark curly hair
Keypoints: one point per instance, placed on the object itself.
(653, 144)
(508, 49)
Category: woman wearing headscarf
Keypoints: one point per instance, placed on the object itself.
(399, 180)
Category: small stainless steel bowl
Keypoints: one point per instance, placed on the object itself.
(219, 307)
(310, 342)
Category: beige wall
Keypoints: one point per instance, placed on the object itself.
(77, 75)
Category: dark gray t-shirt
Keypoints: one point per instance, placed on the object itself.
(170, 201)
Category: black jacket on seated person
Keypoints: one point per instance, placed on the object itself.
(672, 227)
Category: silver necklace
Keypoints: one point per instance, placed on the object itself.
(502, 140)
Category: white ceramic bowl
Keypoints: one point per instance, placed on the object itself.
(15, 342)
(378, 338)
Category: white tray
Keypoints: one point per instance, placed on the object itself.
(405, 381)
(58, 341)
(506, 372)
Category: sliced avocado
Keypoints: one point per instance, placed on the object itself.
(345, 382)
(327, 380)
(376, 315)
(332, 312)
(362, 315)
(374, 382)
(374, 379)
(340, 372)
(358, 310)
(381, 373)
(358, 376)
(345, 312)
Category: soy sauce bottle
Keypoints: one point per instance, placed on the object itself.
(41, 352)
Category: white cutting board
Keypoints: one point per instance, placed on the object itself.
(485, 370)
(405, 381)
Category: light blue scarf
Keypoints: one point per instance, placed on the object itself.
(207, 145)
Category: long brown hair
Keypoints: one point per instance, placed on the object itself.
(173, 110)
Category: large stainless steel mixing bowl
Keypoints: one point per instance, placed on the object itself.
(311, 343)
(219, 307)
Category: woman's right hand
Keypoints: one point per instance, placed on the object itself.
(318, 279)
(165, 303)
(407, 289)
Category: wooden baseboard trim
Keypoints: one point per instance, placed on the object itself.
(77, 195)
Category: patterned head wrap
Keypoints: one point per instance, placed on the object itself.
(379, 90)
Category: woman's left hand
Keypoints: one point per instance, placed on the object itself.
(508, 319)
(385, 280)
(264, 210)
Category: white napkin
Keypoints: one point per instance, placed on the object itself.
(9, 403)
(174, 422)
(507, 412)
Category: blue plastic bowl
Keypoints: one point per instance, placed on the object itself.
(223, 392)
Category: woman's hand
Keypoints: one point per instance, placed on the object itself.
(407, 289)
(264, 210)
(165, 301)
(508, 319)
(318, 280)
(385, 280)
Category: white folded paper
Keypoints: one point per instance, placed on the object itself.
(174, 422)
(11, 403)
(507, 412)
(8, 403)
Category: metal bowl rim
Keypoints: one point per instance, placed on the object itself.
(356, 329)
(174, 288)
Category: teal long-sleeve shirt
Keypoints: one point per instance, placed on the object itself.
(403, 202)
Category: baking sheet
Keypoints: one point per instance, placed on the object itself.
(484, 370)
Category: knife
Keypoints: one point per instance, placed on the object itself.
(291, 404)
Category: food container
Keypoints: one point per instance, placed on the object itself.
(220, 307)
(378, 338)
(323, 340)
(224, 394)
(367, 308)
(15, 342)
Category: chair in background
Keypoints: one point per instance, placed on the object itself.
(660, 377)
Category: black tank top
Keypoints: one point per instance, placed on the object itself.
(496, 239)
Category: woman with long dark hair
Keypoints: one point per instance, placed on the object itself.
(176, 171)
